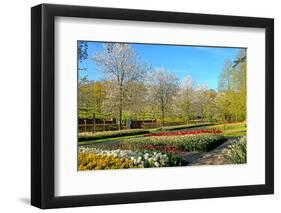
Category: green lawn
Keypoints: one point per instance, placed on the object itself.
(107, 139)
(235, 133)
(232, 129)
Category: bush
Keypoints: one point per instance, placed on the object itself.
(111, 134)
(237, 152)
(187, 143)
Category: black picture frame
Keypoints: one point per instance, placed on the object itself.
(43, 102)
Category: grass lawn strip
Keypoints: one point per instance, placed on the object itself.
(108, 139)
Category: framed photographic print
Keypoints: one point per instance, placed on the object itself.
(141, 106)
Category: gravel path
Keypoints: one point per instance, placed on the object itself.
(214, 157)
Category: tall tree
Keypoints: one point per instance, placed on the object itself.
(120, 65)
(232, 87)
(209, 106)
(199, 101)
(187, 92)
(82, 53)
(224, 83)
(240, 74)
(164, 86)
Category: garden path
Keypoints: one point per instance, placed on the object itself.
(214, 157)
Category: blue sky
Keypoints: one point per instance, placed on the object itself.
(202, 64)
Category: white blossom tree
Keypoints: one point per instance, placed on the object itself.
(121, 67)
(187, 91)
(164, 86)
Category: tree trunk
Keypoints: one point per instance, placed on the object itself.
(85, 125)
(94, 123)
(120, 118)
(163, 116)
(121, 106)
(187, 118)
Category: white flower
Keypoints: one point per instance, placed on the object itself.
(146, 156)
(162, 162)
(139, 158)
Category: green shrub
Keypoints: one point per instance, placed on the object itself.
(237, 152)
(188, 143)
(111, 134)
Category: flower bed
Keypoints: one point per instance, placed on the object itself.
(201, 142)
(193, 132)
(166, 148)
(237, 153)
(154, 150)
(93, 158)
(110, 134)
(92, 161)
